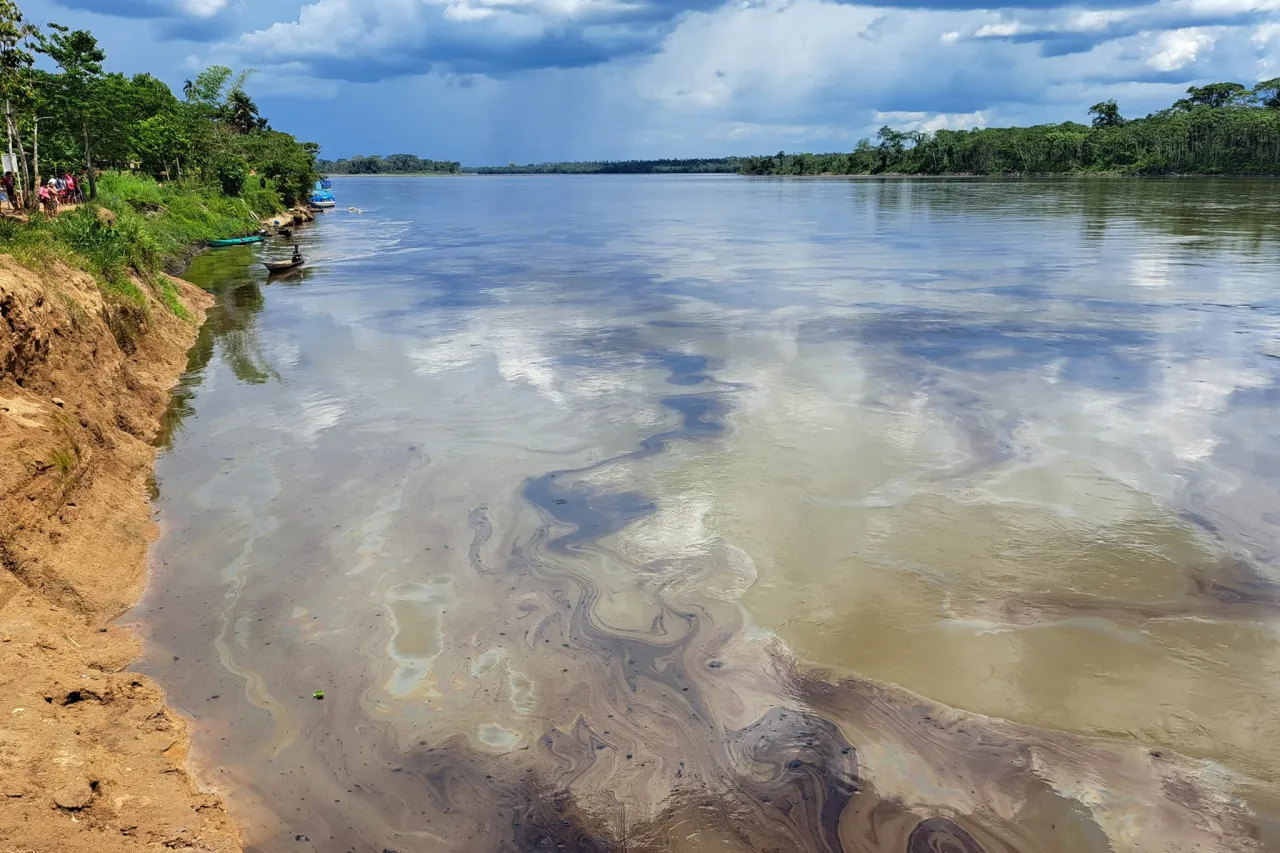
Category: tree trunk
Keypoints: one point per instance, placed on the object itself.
(8, 126)
(88, 162)
(30, 193)
(35, 151)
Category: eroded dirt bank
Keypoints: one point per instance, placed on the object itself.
(90, 757)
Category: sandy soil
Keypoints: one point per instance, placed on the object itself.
(90, 757)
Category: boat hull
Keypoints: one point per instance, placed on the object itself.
(236, 241)
(282, 266)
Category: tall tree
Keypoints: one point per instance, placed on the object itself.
(78, 55)
(1106, 114)
(241, 112)
(1267, 93)
(16, 61)
(1214, 95)
(209, 87)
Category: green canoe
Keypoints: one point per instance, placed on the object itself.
(237, 241)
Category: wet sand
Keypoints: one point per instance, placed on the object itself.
(600, 534)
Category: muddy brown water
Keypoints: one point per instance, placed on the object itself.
(716, 514)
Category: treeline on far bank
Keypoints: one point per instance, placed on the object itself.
(714, 165)
(1218, 129)
(395, 164)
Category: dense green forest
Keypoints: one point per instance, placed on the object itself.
(1218, 129)
(64, 112)
(159, 174)
(395, 164)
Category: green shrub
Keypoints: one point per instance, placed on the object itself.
(65, 460)
(232, 174)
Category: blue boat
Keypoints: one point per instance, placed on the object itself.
(321, 196)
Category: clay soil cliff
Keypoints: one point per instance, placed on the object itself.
(90, 757)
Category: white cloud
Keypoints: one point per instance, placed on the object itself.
(929, 122)
(779, 54)
(1264, 34)
(466, 12)
(1094, 19)
(1001, 29)
(1179, 48)
(203, 8)
(740, 78)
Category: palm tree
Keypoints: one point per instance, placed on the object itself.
(188, 89)
(241, 112)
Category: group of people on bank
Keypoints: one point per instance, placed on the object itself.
(52, 193)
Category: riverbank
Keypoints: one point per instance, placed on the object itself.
(92, 758)
(95, 333)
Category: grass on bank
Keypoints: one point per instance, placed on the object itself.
(152, 228)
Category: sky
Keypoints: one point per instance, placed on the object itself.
(497, 81)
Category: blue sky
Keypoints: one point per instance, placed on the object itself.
(493, 81)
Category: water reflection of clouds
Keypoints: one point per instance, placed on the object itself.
(983, 298)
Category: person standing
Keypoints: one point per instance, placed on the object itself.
(49, 197)
(9, 191)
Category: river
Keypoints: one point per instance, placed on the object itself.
(723, 514)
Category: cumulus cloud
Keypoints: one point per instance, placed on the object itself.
(1073, 30)
(1180, 47)
(928, 123)
(615, 78)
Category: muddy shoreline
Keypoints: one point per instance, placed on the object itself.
(91, 758)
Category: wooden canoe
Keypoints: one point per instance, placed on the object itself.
(274, 267)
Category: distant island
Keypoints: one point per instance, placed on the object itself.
(396, 164)
(1217, 129)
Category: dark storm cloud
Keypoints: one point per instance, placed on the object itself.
(120, 8)
(174, 23)
(556, 50)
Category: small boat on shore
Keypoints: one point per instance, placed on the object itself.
(237, 241)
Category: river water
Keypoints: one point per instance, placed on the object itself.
(720, 514)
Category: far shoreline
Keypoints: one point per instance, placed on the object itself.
(892, 176)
